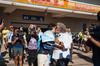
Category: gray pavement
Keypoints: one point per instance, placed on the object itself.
(80, 58)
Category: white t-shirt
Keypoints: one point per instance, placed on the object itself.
(9, 34)
(70, 36)
(64, 53)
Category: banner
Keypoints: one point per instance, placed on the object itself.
(94, 2)
(83, 7)
(62, 4)
(34, 18)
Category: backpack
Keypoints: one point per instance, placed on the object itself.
(32, 44)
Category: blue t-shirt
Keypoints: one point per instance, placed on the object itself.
(18, 43)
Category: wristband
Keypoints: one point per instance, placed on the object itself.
(60, 43)
(91, 38)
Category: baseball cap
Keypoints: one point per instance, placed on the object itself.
(11, 27)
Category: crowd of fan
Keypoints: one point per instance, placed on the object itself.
(42, 48)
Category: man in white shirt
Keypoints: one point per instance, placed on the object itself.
(68, 29)
(61, 52)
(8, 40)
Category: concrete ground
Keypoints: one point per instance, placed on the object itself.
(80, 58)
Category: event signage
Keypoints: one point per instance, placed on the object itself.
(34, 18)
(93, 2)
(63, 4)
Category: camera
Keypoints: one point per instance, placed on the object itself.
(93, 26)
(94, 31)
(33, 29)
(20, 34)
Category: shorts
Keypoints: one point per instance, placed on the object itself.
(18, 51)
(43, 60)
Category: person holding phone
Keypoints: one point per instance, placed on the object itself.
(39, 31)
(31, 28)
(94, 43)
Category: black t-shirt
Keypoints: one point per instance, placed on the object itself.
(96, 50)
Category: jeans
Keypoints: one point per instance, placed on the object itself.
(10, 47)
(62, 62)
(32, 57)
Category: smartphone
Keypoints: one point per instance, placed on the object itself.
(2, 20)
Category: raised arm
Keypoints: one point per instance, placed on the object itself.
(13, 42)
(1, 26)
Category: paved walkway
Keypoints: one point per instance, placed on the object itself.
(80, 58)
